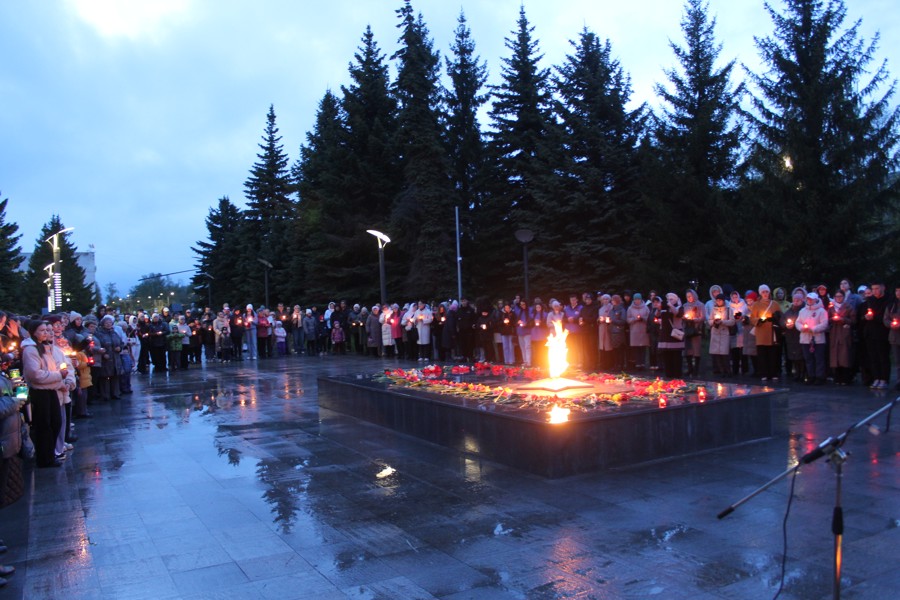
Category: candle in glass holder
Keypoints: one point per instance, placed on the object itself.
(701, 394)
(663, 401)
(789, 322)
(483, 326)
(870, 314)
(895, 323)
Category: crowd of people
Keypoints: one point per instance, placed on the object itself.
(65, 362)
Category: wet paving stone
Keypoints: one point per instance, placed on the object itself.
(230, 482)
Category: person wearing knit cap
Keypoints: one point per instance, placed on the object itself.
(749, 339)
(670, 346)
(796, 364)
(720, 322)
(812, 322)
(841, 317)
(765, 317)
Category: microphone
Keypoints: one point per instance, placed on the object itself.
(824, 448)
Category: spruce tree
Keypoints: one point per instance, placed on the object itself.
(369, 113)
(76, 295)
(422, 216)
(818, 182)
(522, 168)
(329, 226)
(217, 257)
(692, 174)
(595, 215)
(270, 205)
(465, 142)
(10, 259)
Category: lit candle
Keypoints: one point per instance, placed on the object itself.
(443, 319)
(663, 401)
(895, 323)
(789, 322)
(836, 317)
(483, 326)
(537, 322)
(869, 314)
(701, 394)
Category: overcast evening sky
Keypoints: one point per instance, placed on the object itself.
(130, 119)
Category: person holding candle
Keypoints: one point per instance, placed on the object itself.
(694, 317)
(236, 327)
(749, 358)
(46, 370)
(765, 317)
(812, 322)
(574, 325)
(796, 363)
(449, 339)
(740, 310)
(637, 316)
(386, 318)
(248, 321)
(714, 291)
(892, 322)
(437, 328)
(671, 346)
(874, 335)
(618, 320)
(840, 340)
(422, 319)
(720, 321)
(507, 327)
(537, 316)
(653, 323)
(523, 330)
(373, 332)
(484, 332)
(604, 337)
(589, 332)
(465, 326)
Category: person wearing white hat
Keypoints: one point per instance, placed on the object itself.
(765, 315)
(812, 323)
(249, 318)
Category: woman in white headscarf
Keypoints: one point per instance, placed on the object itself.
(671, 335)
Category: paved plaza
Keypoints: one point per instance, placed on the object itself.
(230, 482)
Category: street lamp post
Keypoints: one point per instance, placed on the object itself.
(525, 236)
(383, 240)
(268, 266)
(54, 299)
(209, 279)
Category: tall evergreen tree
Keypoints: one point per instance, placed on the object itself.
(522, 167)
(693, 169)
(465, 142)
(270, 205)
(371, 169)
(329, 226)
(10, 259)
(216, 257)
(422, 214)
(595, 216)
(76, 295)
(826, 144)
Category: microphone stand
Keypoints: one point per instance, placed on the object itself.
(832, 448)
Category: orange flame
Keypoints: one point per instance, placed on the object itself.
(559, 415)
(557, 351)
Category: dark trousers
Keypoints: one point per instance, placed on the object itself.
(770, 361)
(879, 359)
(671, 360)
(46, 421)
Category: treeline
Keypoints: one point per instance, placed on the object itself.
(785, 176)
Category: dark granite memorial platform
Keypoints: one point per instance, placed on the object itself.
(523, 438)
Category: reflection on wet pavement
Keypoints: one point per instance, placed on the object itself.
(232, 483)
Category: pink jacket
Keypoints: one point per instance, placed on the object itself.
(42, 372)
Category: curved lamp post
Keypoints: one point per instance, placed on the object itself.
(54, 296)
(383, 240)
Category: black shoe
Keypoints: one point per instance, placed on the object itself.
(71, 439)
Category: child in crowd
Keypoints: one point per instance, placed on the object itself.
(337, 338)
(280, 338)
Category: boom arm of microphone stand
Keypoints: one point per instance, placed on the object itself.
(826, 448)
